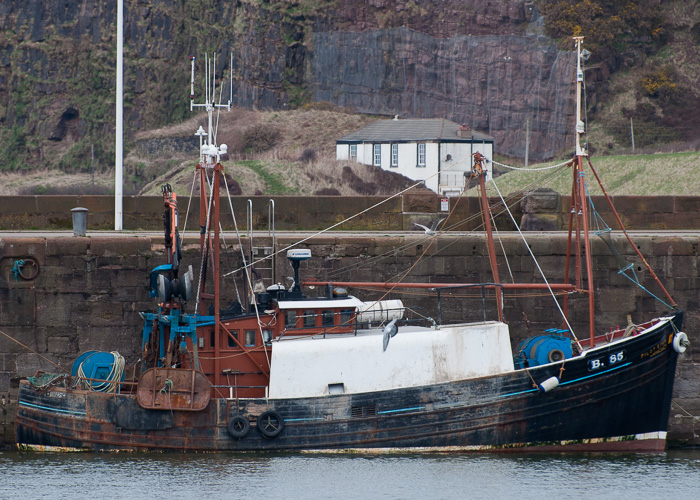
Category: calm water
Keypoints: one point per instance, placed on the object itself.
(27, 476)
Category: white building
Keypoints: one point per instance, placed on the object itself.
(436, 151)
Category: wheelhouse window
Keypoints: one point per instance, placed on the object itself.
(394, 155)
(377, 155)
(328, 318)
(249, 338)
(421, 155)
(267, 336)
(353, 151)
(346, 317)
(232, 337)
(290, 319)
(309, 319)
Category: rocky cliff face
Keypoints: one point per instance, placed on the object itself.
(469, 61)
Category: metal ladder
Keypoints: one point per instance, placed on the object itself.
(268, 274)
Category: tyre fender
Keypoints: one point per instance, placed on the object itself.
(270, 423)
(238, 426)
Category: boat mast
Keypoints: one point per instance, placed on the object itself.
(578, 218)
(486, 211)
(210, 173)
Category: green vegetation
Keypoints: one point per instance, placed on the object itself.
(275, 183)
(642, 175)
(613, 25)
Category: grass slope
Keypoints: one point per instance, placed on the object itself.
(643, 175)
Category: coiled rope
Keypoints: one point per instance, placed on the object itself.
(110, 382)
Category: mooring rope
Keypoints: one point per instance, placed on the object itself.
(34, 352)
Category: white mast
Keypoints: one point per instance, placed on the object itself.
(580, 127)
(210, 153)
(118, 168)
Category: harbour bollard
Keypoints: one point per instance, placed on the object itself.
(79, 221)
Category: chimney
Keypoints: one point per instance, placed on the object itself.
(464, 132)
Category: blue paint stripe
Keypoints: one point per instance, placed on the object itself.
(516, 393)
(402, 409)
(567, 382)
(57, 410)
(595, 374)
(303, 419)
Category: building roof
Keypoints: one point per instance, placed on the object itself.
(427, 129)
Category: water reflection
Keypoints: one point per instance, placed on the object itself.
(674, 474)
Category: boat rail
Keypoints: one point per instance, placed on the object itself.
(348, 322)
(482, 286)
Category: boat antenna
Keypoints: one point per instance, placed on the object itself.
(580, 126)
(209, 149)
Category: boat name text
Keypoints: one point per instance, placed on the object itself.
(597, 364)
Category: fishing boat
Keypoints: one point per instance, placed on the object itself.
(280, 370)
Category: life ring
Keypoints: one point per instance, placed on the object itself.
(270, 423)
(555, 355)
(238, 426)
(680, 342)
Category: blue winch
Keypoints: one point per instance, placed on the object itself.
(99, 370)
(544, 349)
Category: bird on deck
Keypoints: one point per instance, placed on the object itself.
(389, 331)
(432, 230)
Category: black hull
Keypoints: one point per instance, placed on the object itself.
(617, 397)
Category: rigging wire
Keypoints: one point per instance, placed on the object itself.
(511, 200)
(540, 270)
(34, 351)
(396, 195)
(206, 253)
(247, 270)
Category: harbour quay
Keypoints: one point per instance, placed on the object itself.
(62, 294)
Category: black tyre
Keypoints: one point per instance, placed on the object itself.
(270, 424)
(238, 426)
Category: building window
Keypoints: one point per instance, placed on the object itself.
(377, 155)
(249, 338)
(394, 155)
(353, 152)
(421, 155)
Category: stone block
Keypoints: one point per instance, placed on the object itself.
(62, 345)
(54, 309)
(125, 340)
(28, 364)
(120, 246)
(4, 383)
(541, 222)
(424, 201)
(17, 306)
(105, 313)
(676, 246)
(541, 201)
(8, 362)
(63, 247)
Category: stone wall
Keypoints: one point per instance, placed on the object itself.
(319, 212)
(88, 293)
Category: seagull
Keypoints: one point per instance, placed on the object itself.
(389, 331)
(432, 230)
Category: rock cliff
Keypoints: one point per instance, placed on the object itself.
(469, 61)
